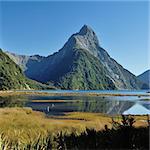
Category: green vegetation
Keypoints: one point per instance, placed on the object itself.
(124, 136)
(12, 101)
(87, 73)
(12, 77)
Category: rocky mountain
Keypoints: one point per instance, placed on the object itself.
(24, 61)
(12, 77)
(80, 64)
(145, 78)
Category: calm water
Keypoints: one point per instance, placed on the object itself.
(108, 105)
(93, 91)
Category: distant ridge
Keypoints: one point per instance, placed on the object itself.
(145, 78)
(80, 64)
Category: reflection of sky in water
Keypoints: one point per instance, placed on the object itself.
(109, 105)
(137, 109)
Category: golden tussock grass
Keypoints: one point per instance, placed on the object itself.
(25, 119)
(24, 126)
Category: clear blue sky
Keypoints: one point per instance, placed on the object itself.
(43, 28)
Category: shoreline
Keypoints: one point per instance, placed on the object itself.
(28, 93)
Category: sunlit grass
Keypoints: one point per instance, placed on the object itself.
(24, 126)
(27, 127)
(26, 118)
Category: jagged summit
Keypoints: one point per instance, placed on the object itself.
(85, 29)
(84, 39)
(87, 39)
(88, 33)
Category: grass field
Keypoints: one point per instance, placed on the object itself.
(22, 126)
(25, 120)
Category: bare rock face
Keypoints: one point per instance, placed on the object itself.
(85, 39)
(80, 64)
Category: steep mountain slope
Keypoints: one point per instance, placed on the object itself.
(87, 73)
(145, 78)
(11, 76)
(81, 64)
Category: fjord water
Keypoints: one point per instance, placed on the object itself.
(92, 91)
(58, 105)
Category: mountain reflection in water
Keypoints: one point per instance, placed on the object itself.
(77, 103)
(58, 105)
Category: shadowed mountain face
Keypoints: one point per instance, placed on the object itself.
(81, 64)
(145, 78)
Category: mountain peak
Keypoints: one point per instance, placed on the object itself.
(87, 39)
(85, 29)
(84, 39)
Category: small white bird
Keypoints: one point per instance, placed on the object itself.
(48, 108)
(53, 105)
